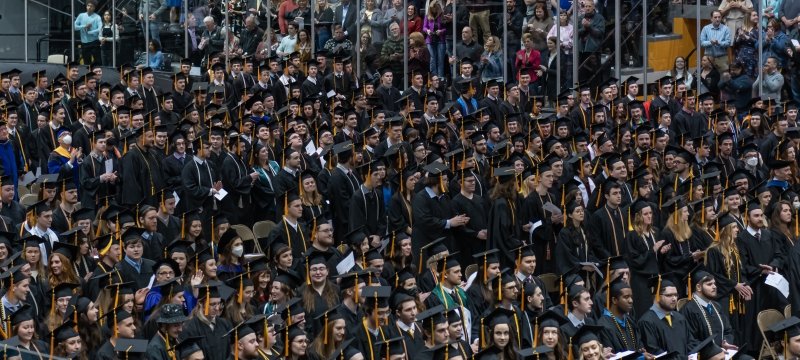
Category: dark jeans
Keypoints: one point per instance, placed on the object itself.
(90, 52)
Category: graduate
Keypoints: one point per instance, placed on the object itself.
(533, 211)
(199, 178)
(404, 309)
(662, 328)
(290, 230)
(370, 331)
(505, 223)
(434, 215)
(479, 292)
(646, 254)
(789, 332)
(121, 324)
(367, 207)
(619, 329)
(507, 290)
(141, 171)
(703, 314)
(207, 312)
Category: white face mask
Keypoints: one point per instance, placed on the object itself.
(67, 140)
(237, 250)
(753, 161)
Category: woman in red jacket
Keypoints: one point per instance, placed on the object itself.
(528, 58)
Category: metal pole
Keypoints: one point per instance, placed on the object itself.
(358, 39)
(760, 51)
(454, 65)
(113, 33)
(617, 41)
(185, 28)
(25, 36)
(268, 10)
(228, 30)
(313, 33)
(575, 46)
(698, 54)
(146, 35)
(558, 54)
(72, 33)
(405, 44)
(504, 58)
(644, 49)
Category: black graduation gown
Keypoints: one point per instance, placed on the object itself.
(157, 347)
(215, 344)
(141, 176)
(573, 248)
(658, 336)
(700, 320)
(198, 179)
(14, 211)
(283, 182)
(678, 260)
(475, 209)
(793, 271)
(728, 298)
(61, 220)
(368, 210)
(172, 171)
(505, 231)
(170, 229)
(237, 181)
(141, 278)
(430, 218)
(298, 240)
(619, 338)
(367, 342)
(544, 237)
(413, 345)
(643, 263)
(155, 246)
(611, 229)
(399, 213)
(427, 280)
(106, 352)
(92, 189)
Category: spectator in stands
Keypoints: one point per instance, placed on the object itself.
(772, 81)
(155, 11)
(323, 18)
(108, 35)
(735, 12)
(393, 14)
(590, 34)
(345, 15)
(771, 10)
(212, 40)
(681, 71)
(709, 77)
(479, 18)
(468, 47)
(737, 85)
(156, 56)
(303, 45)
(776, 42)
(372, 20)
(435, 37)
(566, 31)
(89, 25)
(539, 26)
(392, 52)
(288, 42)
(715, 38)
(250, 36)
(284, 14)
(528, 58)
(790, 16)
(302, 15)
(745, 44)
(492, 60)
(339, 43)
(414, 20)
(515, 19)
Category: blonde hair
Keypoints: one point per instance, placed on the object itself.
(680, 229)
(727, 247)
(430, 13)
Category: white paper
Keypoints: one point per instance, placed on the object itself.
(152, 280)
(779, 282)
(28, 178)
(552, 208)
(621, 355)
(331, 94)
(38, 172)
(177, 198)
(534, 226)
(220, 194)
(664, 354)
(692, 356)
(729, 354)
(311, 148)
(109, 166)
(796, 44)
(346, 264)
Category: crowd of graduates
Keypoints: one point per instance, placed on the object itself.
(231, 216)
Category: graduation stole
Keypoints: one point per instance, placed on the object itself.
(61, 151)
(447, 300)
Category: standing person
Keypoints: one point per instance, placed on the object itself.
(89, 25)
(109, 34)
(644, 253)
(435, 34)
(715, 38)
(591, 32)
(504, 233)
(153, 9)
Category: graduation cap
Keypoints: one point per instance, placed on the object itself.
(125, 347)
(585, 334)
(288, 333)
(547, 319)
(789, 329)
(706, 349)
(484, 259)
(288, 278)
(189, 346)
